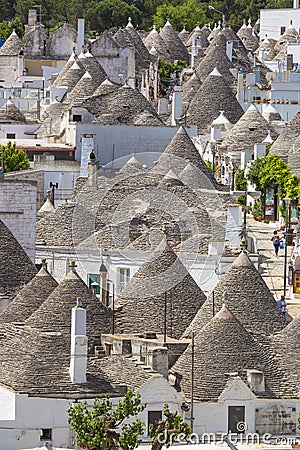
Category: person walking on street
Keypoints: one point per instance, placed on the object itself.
(282, 305)
(276, 242)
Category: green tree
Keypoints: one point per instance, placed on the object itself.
(172, 428)
(6, 28)
(6, 9)
(14, 158)
(166, 70)
(104, 427)
(98, 428)
(107, 14)
(184, 14)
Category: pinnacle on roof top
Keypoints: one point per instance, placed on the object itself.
(215, 72)
(242, 260)
(129, 24)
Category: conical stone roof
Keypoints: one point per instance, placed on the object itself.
(216, 30)
(286, 346)
(83, 90)
(252, 128)
(29, 298)
(72, 76)
(180, 152)
(190, 87)
(93, 67)
(123, 106)
(268, 45)
(248, 37)
(16, 268)
(198, 33)
(154, 39)
(132, 166)
(214, 95)
(9, 113)
(69, 63)
(284, 143)
(173, 43)
(221, 348)
(184, 35)
(141, 304)
(294, 156)
(248, 297)
(216, 57)
(12, 46)
(55, 312)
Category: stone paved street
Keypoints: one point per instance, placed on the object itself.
(270, 267)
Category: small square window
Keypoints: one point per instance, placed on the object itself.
(10, 136)
(46, 434)
(77, 118)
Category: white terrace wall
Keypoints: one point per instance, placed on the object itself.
(113, 142)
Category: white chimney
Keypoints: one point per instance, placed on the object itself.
(79, 347)
(246, 156)
(259, 150)
(176, 104)
(229, 47)
(261, 55)
(163, 106)
(296, 4)
(131, 67)
(87, 146)
(80, 35)
(215, 134)
(240, 86)
(20, 65)
(194, 51)
(256, 380)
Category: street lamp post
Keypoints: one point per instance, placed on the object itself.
(287, 210)
(220, 12)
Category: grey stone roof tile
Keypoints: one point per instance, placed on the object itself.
(141, 304)
(12, 46)
(29, 298)
(222, 347)
(252, 128)
(16, 268)
(54, 313)
(248, 297)
(9, 113)
(174, 43)
(285, 141)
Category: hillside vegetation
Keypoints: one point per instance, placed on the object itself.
(103, 15)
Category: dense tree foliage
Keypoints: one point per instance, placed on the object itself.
(104, 427)
(104, 14)
(14, 158)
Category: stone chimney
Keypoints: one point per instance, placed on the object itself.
(92, 170)
(160, 361)
(79, 347)
(176, 105)
(256, 380)
(32, 17)
(87, 147)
